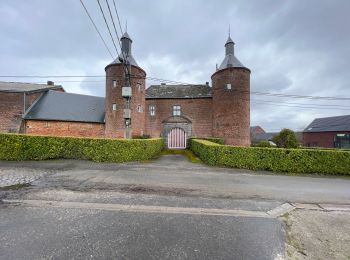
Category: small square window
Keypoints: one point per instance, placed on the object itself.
(114, 107)
(228, 86)
(114, 83)
(176, 110)
(152, 110)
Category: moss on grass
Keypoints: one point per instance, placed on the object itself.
(188, 153)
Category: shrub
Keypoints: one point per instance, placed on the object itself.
(27, 147)
(286, 139)
(273, 159)
(141, 137)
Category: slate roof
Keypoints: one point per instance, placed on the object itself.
(329, 124)
(178, 91)
(19, 87)
(62, 106)
(264, 137)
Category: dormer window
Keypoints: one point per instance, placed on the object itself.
(176, 110)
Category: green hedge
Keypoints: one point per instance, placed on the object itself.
(27, 147)
(273, 159)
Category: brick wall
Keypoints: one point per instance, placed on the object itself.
(231, 107)
(12, 108)
(325, 139)
(59, 128)
(198, 111)
(114, 119)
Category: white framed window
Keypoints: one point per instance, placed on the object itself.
(229, 86)
(114, 106)
(139, 108)
(152, 110)
(114, 83)
(176, 110)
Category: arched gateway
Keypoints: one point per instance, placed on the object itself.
(177, 139)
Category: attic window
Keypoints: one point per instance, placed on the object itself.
(114, 83)
(228, 86)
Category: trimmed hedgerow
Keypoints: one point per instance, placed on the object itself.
(273, 159)
(28, 147)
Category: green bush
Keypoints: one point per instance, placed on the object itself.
(273, 159)
(27, 147)
(286, 139)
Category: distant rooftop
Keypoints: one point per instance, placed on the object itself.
(178, 91)
(62, 106)
(329, 124)
(26, 87)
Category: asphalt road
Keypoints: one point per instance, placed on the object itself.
(165, 209)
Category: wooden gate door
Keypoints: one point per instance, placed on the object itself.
(177, 139)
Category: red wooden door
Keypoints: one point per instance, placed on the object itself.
(177, 139)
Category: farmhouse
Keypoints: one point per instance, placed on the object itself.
(329, 132)
(175, 112)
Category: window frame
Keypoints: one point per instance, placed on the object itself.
(176, 110)
(114, 106)
(114, 83)
(152, 110)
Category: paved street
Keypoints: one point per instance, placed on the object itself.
(165, 209)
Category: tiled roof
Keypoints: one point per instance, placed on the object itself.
(61, 106)
(329, 124)
(179, 91)
(25, 87)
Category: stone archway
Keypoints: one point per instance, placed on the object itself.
(177, 122)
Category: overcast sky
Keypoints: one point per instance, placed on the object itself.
(292, 47)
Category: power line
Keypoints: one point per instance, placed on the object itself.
(104, 17)
(115, 8)
(116, 32)
(281, 95)
(92, 21)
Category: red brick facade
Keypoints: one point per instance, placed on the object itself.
(322, 139)
(231, 105)
(197, 111)
(115, 126)
(12, 109)
(59, 128)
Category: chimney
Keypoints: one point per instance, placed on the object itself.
(50, 83)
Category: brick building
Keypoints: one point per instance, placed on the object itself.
(15, 99)
(328, 132)
(175, 112)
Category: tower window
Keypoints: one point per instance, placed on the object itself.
(229, 86)
(176, 110)
(138, 86)
(139, 108)
(114, 106)
(114, 83)
(152, 110)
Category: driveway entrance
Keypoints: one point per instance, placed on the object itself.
(177, 139)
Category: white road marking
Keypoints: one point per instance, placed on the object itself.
(141, 208)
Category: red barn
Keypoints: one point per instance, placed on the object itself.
(328, 132)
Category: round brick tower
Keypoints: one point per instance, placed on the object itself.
(125, 99)
(231, 99)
